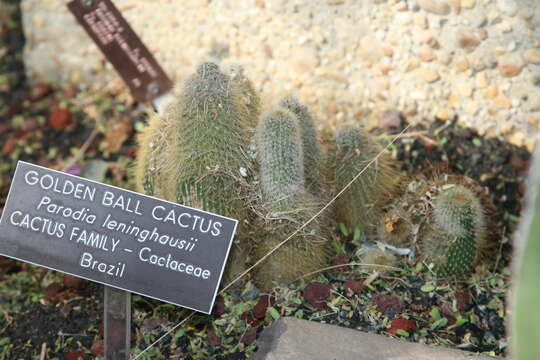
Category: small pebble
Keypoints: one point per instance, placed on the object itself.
(462, 65)
(426, 54)
(420, 21)
(508, 7)
(491, 91)
(429, 74)
(481, 80)
(390, 119)
(443, 114)
(438, 7)
(508, 69)
(503, 102)
(444, 57)
(468, 4)
(467, 40)
(455, 5)
(532, 56)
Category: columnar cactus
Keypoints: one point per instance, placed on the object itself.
(310, 144)
(280, 154)
(456, 231)
(360, 205)
(195, 153)
(153, 168)
(210, 146)
(303, 254)
(284, 197)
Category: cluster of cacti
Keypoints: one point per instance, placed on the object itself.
(197, 153)
(526, 265)
(360, 205)
(445, 218)
(200, 152)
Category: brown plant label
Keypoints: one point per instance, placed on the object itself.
(116, 237)
(122, 47)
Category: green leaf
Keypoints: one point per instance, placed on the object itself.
(477, 142)
(402, 332)
(460, 321)
(427, 287)
(356, 235)
(435, 314)
(274, 313)
(343, 229)
(299, 314)
(439, 323)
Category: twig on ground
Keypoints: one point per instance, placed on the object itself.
(43, 351)
(83, 149)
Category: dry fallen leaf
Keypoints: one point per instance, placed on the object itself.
(389, 223)
(115, 135)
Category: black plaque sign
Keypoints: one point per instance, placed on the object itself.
(115, 237)
(122, 47)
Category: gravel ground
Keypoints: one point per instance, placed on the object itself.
(349, 60)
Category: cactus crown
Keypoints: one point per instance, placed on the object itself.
(453, 209)
(249, 95)
(281, 160)
(310, 143)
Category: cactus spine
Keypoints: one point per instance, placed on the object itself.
(280, 153)
(310, 144)
(456, 231)
(360, 205)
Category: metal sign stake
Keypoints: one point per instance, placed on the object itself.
(117, 324)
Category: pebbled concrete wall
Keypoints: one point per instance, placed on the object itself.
(349, 60)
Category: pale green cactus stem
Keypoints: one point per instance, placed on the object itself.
(281, 161)
(289, 205)
(310, 144)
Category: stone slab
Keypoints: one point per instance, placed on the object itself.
(295, 339)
